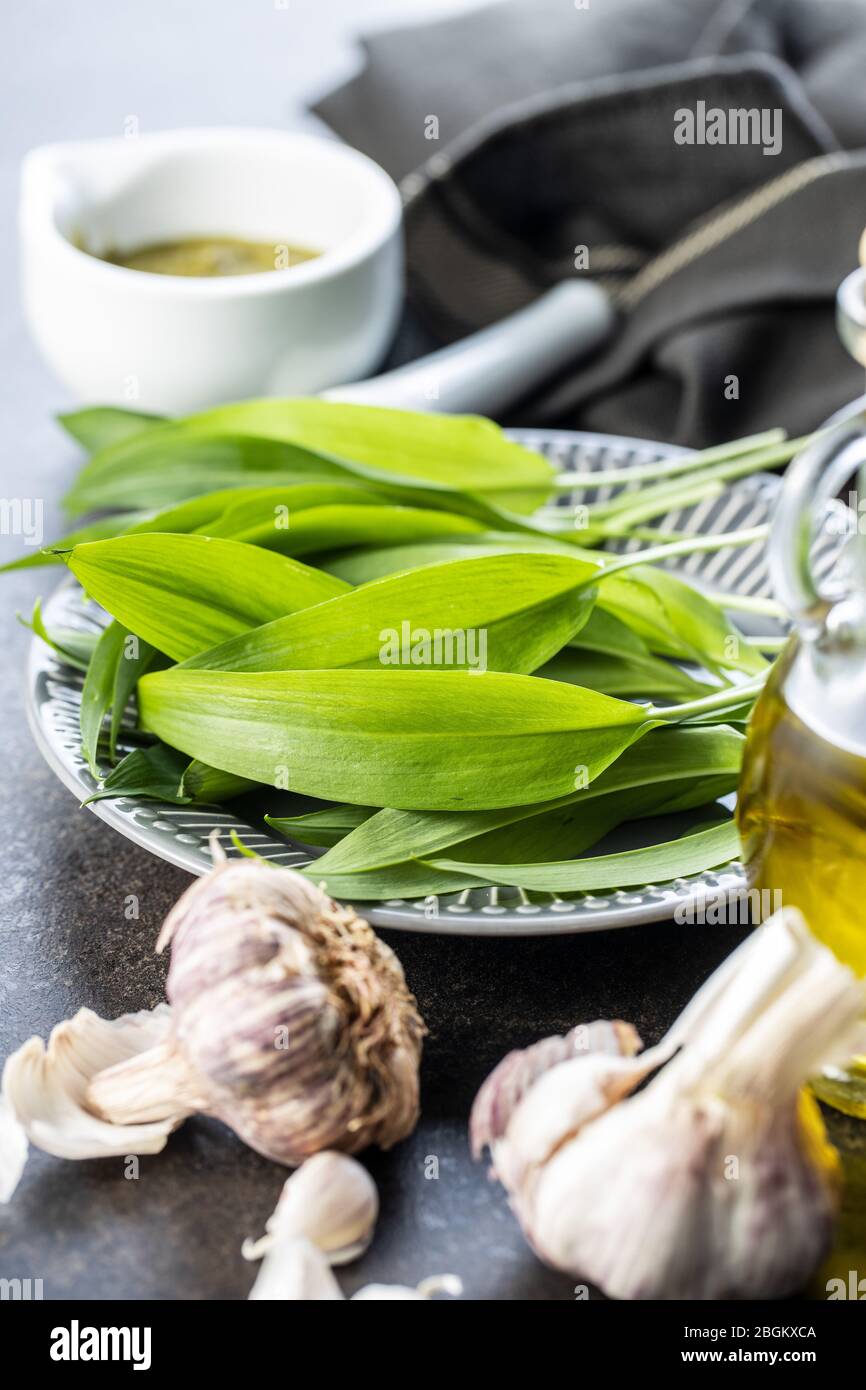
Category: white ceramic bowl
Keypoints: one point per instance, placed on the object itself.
(175, 344)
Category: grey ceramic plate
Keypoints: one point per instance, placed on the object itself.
(180, 834)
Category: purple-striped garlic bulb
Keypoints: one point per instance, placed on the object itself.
(291, 1021)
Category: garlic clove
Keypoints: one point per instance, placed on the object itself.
(13, 1150)
(45, 1088)
(295, 1270)
(332, 1201)
(509, 1082)
(560, 1104)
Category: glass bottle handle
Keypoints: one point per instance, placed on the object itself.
(813, 478)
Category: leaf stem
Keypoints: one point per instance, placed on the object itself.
(722, 699)
(691, 545)
(625, 503)
(669, 467)
(747, 603)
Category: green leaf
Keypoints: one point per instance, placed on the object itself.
(429, 740)
(568, 830)
(502, 612)
(676, 619)
(226, 512)
(690, 854)
(159, 773)
(135, 657)
(94, 531)
(360, 566)
(272, 511)
(609, 635)
(319, 528)
(184, 594)
(640, 677)
(670, 616)
(397, 881)
(571, 829)
(167, 465)
(309, 440)
(667, 755)
(99, 426)
(154, 772)
(465, 452)
(207, 784)
(99, 687)
(325, 828)
(73, 646)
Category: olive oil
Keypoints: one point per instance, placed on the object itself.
(802, 819)
(211, 256)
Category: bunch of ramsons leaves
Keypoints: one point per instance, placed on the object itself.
(252, 560)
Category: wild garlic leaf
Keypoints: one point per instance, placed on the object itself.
(631, 677)
(154, 772)
(465, 452)
(209, 784)
(98, 426)
(670, 616)
(320, 528)
(237, 511)
(408, 880)
(159, 773)
(226, 512)
(690, 854)
(134, 657)
(502, 612)
(321, 828)
(676, 619)
(428, 740)
(609, 635)
(52, 554)
(71, 645)
(184, 593)
(570, 830)
(99, 686)
(374, 562)
(269, 441)
(666, 755)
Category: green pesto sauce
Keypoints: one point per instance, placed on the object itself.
(209, 256)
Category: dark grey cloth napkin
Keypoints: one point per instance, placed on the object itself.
(556, 131)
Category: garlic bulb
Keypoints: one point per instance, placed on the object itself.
(291, 1021)
(715, 1181)
(44, 1091)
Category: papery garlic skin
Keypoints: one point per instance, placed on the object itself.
(45, 1088)
(332, 1201)
(716, 1181)
(292, 1020)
